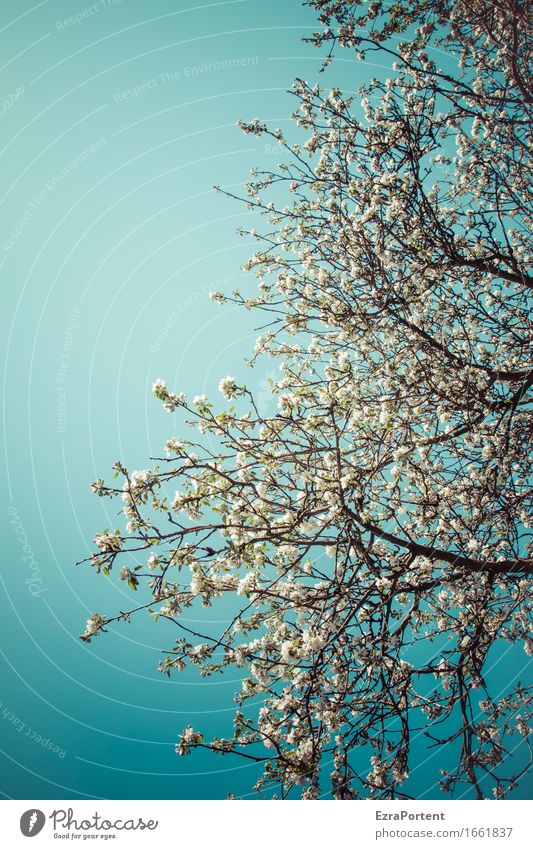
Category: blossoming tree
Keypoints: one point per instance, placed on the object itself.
(373, 531)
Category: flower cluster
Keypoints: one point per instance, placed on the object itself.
(94, 625)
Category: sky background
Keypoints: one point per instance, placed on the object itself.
(113, 131)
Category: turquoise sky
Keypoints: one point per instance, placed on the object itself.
(116, 120)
